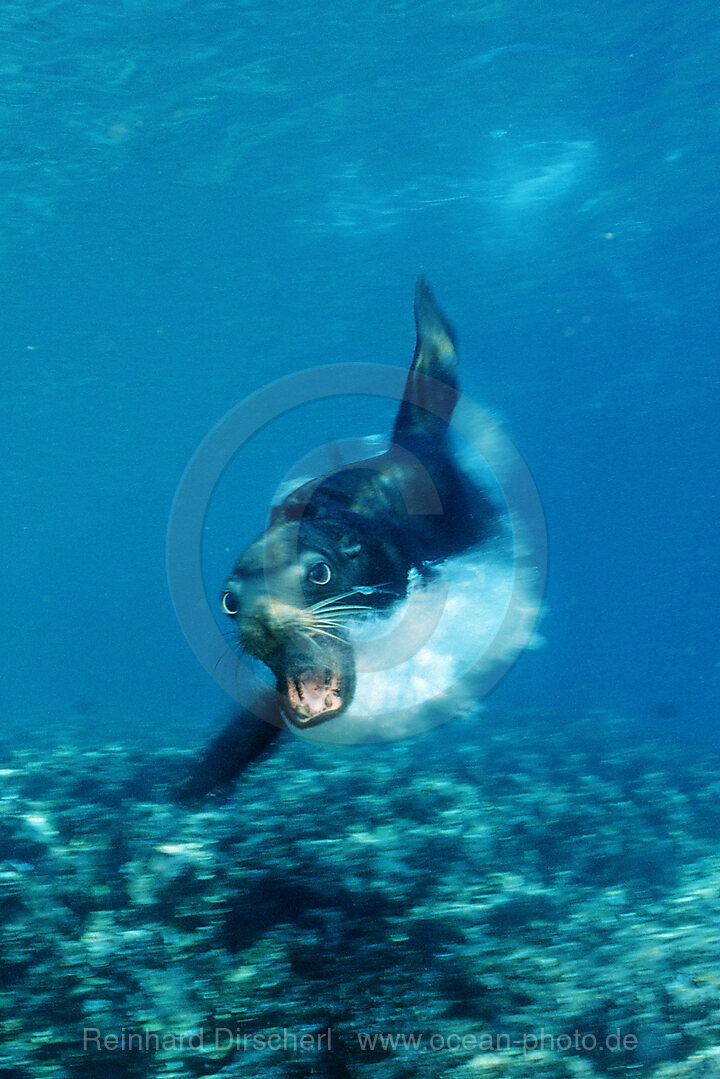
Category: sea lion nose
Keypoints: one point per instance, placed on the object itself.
(231, 601)
(250, 610)
(242, 601)
(247, 603)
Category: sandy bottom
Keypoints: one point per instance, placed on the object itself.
(543, 901)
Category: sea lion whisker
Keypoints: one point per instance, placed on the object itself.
(332, 608)
(331, 600)
(222, 656)
(333, 603)
(313, 622)
(337, 621)
(309, 623)
(341, 607)
(307, 635)
(327, 633)
(362, 589)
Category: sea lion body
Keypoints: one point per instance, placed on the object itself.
(344, 548)
(346, 544)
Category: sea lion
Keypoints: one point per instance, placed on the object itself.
(345, 544)
(346, 548)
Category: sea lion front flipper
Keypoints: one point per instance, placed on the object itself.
(245, 739)
(427, 407)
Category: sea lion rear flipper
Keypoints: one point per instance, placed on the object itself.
(428, 407)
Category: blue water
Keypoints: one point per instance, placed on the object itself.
(198, 198)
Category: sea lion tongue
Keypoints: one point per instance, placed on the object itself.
(316, 684)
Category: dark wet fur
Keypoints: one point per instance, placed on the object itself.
(408, 510)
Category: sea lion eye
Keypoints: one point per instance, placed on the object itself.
(229, 603)
(320, 573)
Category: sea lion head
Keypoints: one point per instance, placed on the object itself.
(317, 568)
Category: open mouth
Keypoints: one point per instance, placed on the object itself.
(316, 683)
